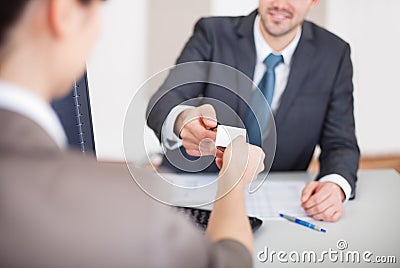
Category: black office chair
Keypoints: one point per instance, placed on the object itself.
(75, 116)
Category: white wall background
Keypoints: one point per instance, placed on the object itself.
(232, 7)
(123, 60)
(116, 70)
(372, 29)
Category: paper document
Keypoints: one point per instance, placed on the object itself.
(273, 197)
(276, 197)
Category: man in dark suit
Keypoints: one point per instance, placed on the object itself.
(59, 208)
(308, 85)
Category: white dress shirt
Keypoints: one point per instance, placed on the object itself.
(24, 102)
(281, 71)
(171, 141)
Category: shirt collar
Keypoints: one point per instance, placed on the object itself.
(30, 105)
(263, 49)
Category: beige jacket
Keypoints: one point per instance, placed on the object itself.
(61, 209)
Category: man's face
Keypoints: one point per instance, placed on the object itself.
(280, 17)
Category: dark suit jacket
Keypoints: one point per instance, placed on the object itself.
(61, 209)
(316, 107)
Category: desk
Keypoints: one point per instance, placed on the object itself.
(370, 223)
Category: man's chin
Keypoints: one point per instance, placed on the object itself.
(279, 30)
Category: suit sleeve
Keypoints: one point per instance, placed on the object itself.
(187, 247)
(230, 253)
(178, 86)
(77, 213)
(339, 149)
(177, 243)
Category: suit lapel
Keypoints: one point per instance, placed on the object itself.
(245, 52)
(299, 69)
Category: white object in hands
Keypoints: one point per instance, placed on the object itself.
(226, 134)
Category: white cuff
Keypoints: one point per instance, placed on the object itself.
(168, 137)
(339, 180)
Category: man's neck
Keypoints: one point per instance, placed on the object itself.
(279, 43)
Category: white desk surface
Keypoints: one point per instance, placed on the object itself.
(370, 223)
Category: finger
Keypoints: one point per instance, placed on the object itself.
(337, 215)
(239, 141)
(193, 152)
(195, 133)
(260, 167)
(255, 163)
(308, 191)
(189, 140)
(260, 157)
(219, 162)
(190, 146)
(323, 216)
(256, 169)
(219, 153)
(321, 207)
(208, 115)
(207, 147)
(317, 197)
(187, 135)
(199, 132)
(328, 214)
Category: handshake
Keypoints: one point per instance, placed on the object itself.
(197, 127)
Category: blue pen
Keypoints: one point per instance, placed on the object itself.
(304, 223)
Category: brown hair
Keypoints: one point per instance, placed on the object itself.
(10, 11)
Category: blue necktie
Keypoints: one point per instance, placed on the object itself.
(256, 121)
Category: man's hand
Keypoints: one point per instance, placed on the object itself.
(323, 200)
(193, 127)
